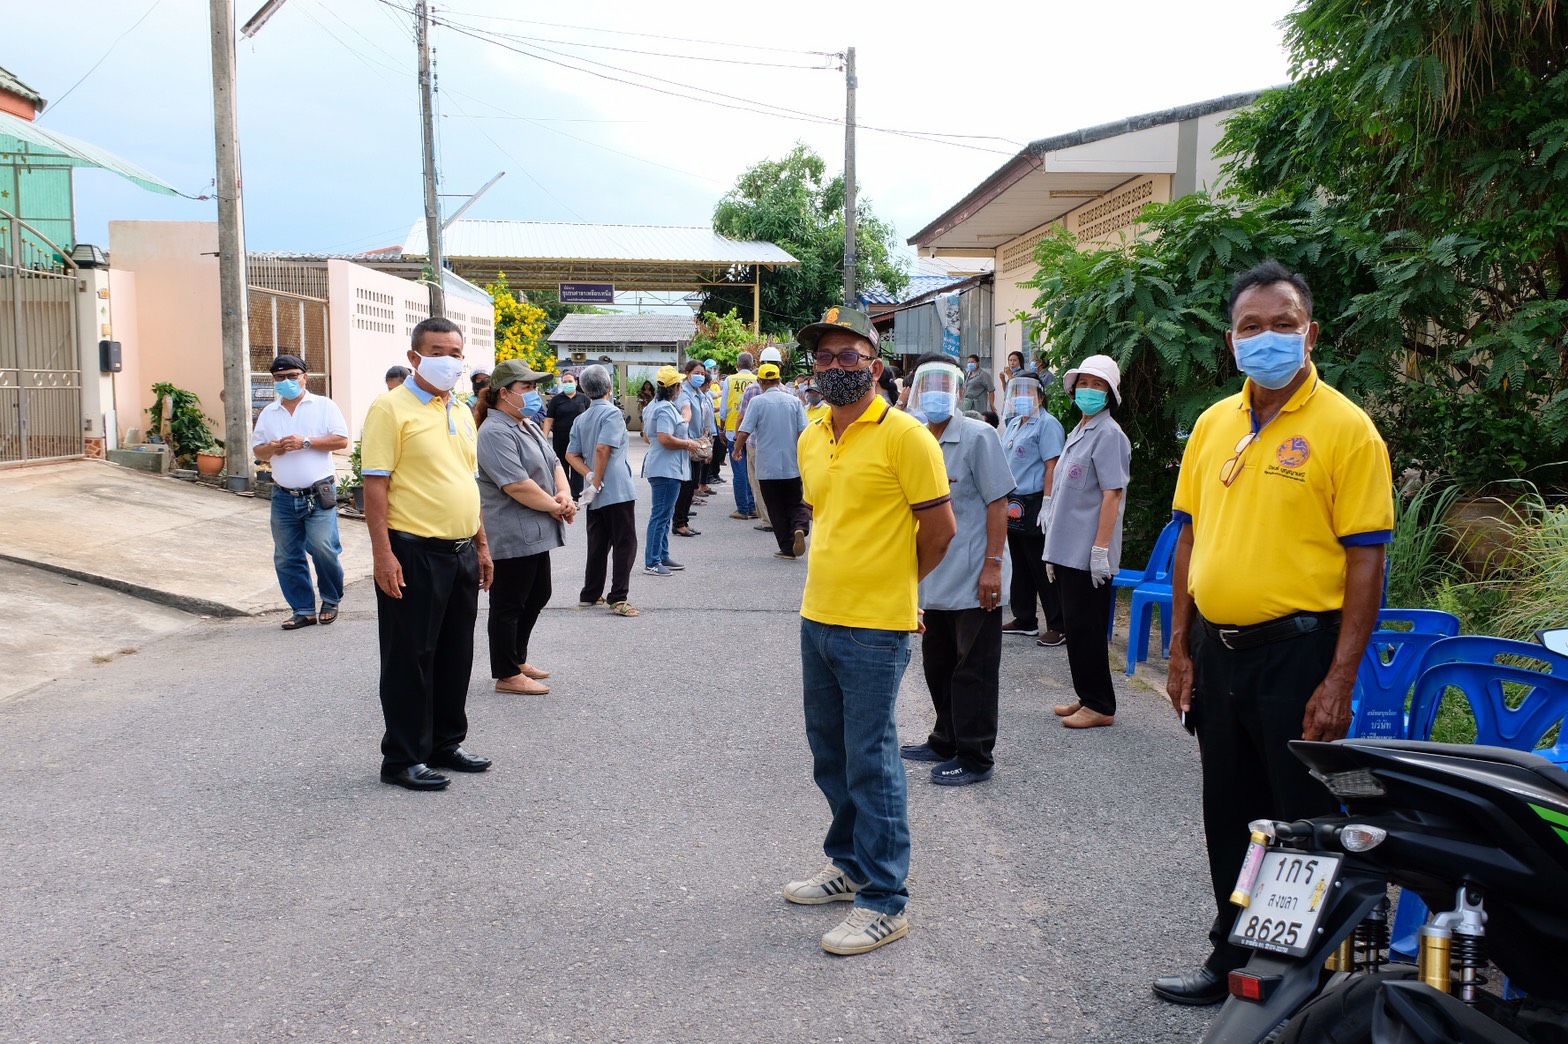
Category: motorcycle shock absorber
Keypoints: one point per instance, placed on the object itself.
(1456, 937)
(1469, 956)
(1372, 938)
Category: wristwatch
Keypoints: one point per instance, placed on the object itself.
(306, 444)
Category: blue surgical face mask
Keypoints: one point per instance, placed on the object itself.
(531, 402)
(290, 389)
(1272, 359)
(937, 406)
(969, 367)
(1089, 400)
(568, 389)
(698, 380)
(1023, 405)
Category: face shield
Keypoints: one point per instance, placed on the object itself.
(1022, 397)
(934, 391)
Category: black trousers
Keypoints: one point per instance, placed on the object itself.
(1084, 611)
(574, 481)
(961, 653)
(683, 499)
(1029, 580)
(720, 447)
(1249, 706)
(612, 530)
(519, 590)
(427, 651)
(786, 509)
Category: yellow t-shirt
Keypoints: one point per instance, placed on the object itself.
(863, 570)
(818, 411)
(734, 390)
(1314, 481)
(427, 448)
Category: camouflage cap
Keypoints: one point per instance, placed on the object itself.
(839, 317)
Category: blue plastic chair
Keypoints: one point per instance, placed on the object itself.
(1162, 561)
(1146, 597)
(1393, 661)
(1469, 664)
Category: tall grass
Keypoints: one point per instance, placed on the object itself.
(1533, 583)
(1420, 556)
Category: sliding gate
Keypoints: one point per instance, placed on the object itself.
(40, 368)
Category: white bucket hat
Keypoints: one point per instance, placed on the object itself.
(1101, 366)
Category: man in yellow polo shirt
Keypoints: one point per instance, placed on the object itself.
(418, 457)
(1287, 499)
(877, 484)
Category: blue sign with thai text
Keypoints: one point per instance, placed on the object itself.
(587, 293)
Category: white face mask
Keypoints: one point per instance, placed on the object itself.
(440, 371)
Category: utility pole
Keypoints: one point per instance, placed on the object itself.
(849, 177)
(231, 252)
(427, 126)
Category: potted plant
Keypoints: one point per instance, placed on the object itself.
(177, 420)
(209, 462)
(352, 488)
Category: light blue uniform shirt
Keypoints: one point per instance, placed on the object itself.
(773, 422)
(664, 417)
(1030, 442)
(701, 405)
(602, 424)
(978, 474)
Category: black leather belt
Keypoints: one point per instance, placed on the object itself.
(294, 492)
(455, 547)
(1238, 639)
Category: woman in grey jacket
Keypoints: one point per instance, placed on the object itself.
(527, 506)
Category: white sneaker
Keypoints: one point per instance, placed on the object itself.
(828, 885)
(864, 930)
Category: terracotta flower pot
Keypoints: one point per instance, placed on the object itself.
(210, 465)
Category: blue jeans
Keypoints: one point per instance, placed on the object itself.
(656, 548)
(745, 503)
(301, 527)
(851, 676)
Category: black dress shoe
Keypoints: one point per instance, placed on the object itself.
(1198, 987)
(416, 777)
(461, 760)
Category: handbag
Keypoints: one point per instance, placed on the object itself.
(703, 452)
(1023, 510)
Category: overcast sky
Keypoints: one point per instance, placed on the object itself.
(329, 110)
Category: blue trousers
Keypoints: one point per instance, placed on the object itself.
(301, 528)
(657, 547)
(745, 503)
(850, 676)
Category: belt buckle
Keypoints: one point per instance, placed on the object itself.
(459, 546)
(1226, 634)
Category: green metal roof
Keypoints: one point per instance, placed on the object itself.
(9, 82)
(23, 143)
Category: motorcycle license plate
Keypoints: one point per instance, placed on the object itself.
(1286, 903)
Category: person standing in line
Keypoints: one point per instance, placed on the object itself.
(979, 387)
(815, 407)
(666, 466)
(396, 375)
(1033, 441)
(1082, 527)
(297, 433)
(427, 540)
(1286, 499)
(770, 354)
(560, 413)
(597, 452)
(715, 392)
(961, 648)
(645, 396)
(693, 407)
(878, 486)
(735, 386)
(767, 442)
(526, 505)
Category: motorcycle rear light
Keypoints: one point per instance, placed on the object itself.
(1357, 783)
(1248, 986)
(1358, 838)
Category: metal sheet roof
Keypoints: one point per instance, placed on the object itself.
(22, 142)
(10, 82)
(565, 241)
(624, 329)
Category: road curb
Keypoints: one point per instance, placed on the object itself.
(185, 603)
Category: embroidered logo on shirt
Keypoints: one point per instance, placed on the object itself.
(1293, 452)
(1075, 471)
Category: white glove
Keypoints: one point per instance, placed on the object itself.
(1044, 518)
(1099, 565)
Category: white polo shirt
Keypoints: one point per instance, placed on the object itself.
(314, 417)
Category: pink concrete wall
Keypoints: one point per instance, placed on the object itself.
(173, 299)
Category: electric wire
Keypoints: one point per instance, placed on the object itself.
(644, 36)
(126, 32)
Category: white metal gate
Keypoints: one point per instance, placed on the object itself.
(40, 367)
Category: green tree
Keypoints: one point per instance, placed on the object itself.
(791, 202)
(1416, 171)
(520, 328)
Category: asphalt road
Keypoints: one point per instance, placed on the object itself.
(196, 846)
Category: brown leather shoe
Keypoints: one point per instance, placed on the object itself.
(1067, 710)
(535, 673)
(1084, 718)
(521, 685)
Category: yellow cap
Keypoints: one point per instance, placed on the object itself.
(667, 376)
(768, 372)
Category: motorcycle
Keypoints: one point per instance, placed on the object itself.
(1479, 833)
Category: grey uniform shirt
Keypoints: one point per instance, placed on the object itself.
(978, 387)
(511, 451)
(978, 473)
(1096, 458)
(604, 425)
(773, 422)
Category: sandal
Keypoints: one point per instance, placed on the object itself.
(299, 620)
(688, 532)
(327, 615)
(624, 609)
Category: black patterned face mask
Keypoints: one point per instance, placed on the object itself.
(842, 387)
